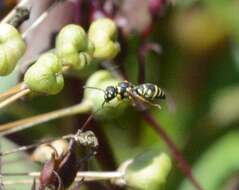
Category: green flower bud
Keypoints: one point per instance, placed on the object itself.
(90, 48)
(102, 79)
(148, 171)
(103, 34)
(72, 46)
(45, 75)
(12, 48)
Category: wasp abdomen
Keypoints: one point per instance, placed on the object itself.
(149, 91)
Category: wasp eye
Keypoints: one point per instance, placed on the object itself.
(110, 93)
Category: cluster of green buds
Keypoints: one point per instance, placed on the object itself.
(74, 49)
(77, 49)
(12, 48)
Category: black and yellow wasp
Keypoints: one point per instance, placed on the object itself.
(146, 92)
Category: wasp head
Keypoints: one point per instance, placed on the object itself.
(110, 93)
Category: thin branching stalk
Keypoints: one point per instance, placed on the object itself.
(9, 128)
(31, 146)
(13, 98)
(86, 175)
(22, 3)
(35, 24)
(13, 94)
(27, 147)
(12, 91)
(17, 182)
(39, 20)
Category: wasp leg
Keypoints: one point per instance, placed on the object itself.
(102, 105)
(132, 101)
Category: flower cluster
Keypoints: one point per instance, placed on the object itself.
(74, 49)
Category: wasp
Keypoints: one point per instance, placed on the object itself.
(146, 92)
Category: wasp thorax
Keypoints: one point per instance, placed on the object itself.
(122, 89)
(125, 85)
(110, 93)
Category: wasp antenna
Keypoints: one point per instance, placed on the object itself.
(89, 119)
(94, 88)
(87, 122)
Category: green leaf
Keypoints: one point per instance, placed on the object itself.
(217, 164)
(16, 163)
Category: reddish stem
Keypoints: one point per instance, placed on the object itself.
(183, 165)
(96, 10)
(143, 50)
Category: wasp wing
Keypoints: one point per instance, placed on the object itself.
(137, 99)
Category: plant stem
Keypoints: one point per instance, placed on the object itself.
(31, 146)
(22, 3)
(36, 23)
(12, 91)
(78, 137)
(86, 175)
(19, 125)
(145, 47)
(183, 165)
(39, 20)
(14, 97)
